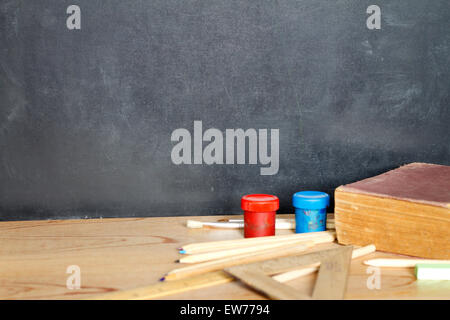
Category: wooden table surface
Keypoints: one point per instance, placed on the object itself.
(116, 254)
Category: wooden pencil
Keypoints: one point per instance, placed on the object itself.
(208, 256)
(330, 217)
(240, 243)
(194, 224)
(294, 274)
(402, 263)
(280, 224)
(220, 264)
(242, 220)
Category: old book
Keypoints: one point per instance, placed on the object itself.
(405, 211)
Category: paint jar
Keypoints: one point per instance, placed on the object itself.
(259, 214)
(310, 211)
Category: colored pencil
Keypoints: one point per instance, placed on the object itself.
(205, 280)
(220, 264)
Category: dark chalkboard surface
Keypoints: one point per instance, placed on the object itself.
(86, 116)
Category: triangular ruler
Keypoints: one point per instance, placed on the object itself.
(331, 280)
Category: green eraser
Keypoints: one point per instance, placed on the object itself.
(428, 271)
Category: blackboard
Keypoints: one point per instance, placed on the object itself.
(87, 115)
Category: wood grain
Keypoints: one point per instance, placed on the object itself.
(393, 225)
(120, 254)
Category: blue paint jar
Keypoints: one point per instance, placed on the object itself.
(310, 211)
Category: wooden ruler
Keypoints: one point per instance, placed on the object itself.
(331, 281)
(333, 273)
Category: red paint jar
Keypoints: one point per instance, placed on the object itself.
(259, 214)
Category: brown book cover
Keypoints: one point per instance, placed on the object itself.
(416, 182)
(405, 210)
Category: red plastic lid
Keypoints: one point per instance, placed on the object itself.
(260, 202)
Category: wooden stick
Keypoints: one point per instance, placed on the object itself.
(194, 224)
(283, 223)
(402, 263)
(242, 220)
(235, 260)
(330, 217)
(209, 279)
(208, 256)
(239, 243)
(294, 274)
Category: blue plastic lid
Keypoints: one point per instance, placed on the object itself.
(311, 200)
